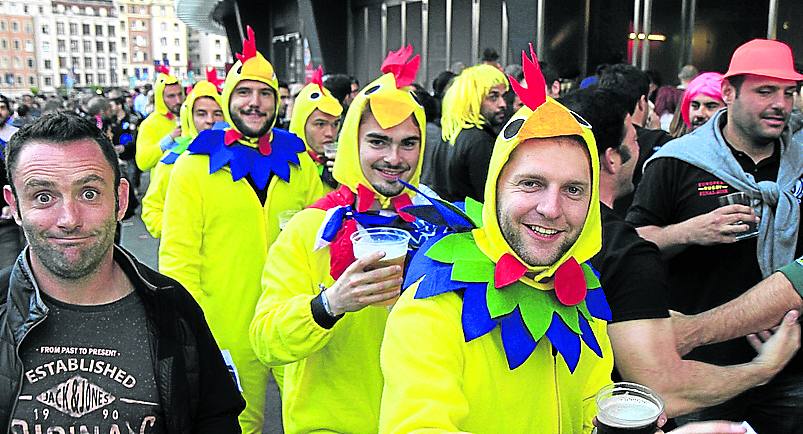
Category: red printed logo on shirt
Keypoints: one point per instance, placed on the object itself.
(711, 188)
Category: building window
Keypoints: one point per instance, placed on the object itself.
(102, 78)
(16, 45)
(28, 28)
(48, 81)
(217, 57)
(30, 63)
(59, 28)
(177, 42)
(178, 57)
(84, 29)
(175, 27)
(122, 9)
(112, 47)
(110, 30)
(73, 29)
(28, 45)
(125, 57)
(17, 62)
(164, 56)
(162, 10)
(99, 46)
(122, 25)
(90, 78)
(163, 41)
(3, 26)
(45, 29)
(4, 44)
(31, 80)
(87, 45)
(76, 62)
(62, 62)
(101, 63)
(89, 11)
(48, 64)
(4, 62)
(145, 57)
(45, 47)
(217, 43)
(77, 79)
(15, 26)
(98, 30)
(61, 45)
(19, 80)
(163, 26)
(87, 62)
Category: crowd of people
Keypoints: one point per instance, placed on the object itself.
(558, 240)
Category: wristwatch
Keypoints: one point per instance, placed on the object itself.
(325, 301)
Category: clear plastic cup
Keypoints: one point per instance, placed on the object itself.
(740, 198)
(628, 408)
(330, 150)
(285, 217)
(392, 241)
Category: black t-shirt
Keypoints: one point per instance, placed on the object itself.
(632, 273)
(467, 166)
(89, 369)
(703, 277)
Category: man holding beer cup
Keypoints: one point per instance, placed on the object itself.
(322, 312)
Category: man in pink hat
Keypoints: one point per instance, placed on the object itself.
(747, 148)
(702, 98)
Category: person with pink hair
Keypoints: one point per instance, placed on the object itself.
(703, 98)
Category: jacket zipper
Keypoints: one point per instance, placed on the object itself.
(22, 372)
(557, 390)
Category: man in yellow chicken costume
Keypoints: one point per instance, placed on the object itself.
(316, 119)
(158, 131)
(200, 111)
(221, 214)
(315, 316)
(503, 328)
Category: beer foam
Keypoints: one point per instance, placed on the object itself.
(391, 241)
(627, 410)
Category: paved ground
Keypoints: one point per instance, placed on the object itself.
(138, 241)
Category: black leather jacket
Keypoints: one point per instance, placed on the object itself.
(196, 391)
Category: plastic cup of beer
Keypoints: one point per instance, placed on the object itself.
(392, 241)
(628, 408)
(740, 198)
(285, 217)
(330, 150)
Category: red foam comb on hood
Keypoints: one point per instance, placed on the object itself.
(317, 77)
(249, 46)
(161, 69)
(211, 76)
(404, 70)
(535, 93)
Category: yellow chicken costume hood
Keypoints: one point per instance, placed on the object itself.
(163, 79)
(201, 89)
(391, 101)
(540, 117)
(312, 97)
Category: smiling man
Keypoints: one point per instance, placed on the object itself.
(702, 98)
(161, 127)
(502, 329)
(322, 313)
(473, 110)
(746, 147)
(221, 213)
(83, 317)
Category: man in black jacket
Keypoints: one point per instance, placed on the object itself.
(89, 338)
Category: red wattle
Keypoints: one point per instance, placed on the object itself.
(508, 270)
(570, 283)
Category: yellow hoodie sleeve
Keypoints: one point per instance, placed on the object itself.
(182, 225)
(153, 201)
(425, 392)
(153, 129)
(283, 329)
(599, 377)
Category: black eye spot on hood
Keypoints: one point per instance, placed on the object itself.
(314, 95)
(580, 119)
(372, 89)
(512, 129)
